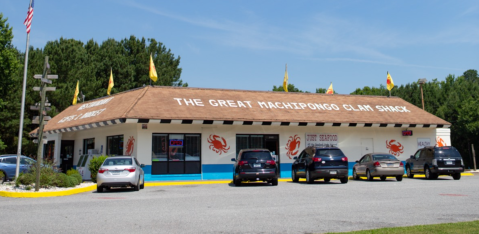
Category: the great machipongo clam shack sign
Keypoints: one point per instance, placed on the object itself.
(192, 133)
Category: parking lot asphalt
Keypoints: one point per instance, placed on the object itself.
(251, 208)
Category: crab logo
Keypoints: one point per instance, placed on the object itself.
(218, 144)
(440, 142)
(130, 145)
(293, 146)
(395, 148)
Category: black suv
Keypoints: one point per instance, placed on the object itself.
(434, 161)
(255, 165)
(320, 163)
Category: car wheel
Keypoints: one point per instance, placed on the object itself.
(355, 175)
(427, 173)
(236, 181)
(383, 178)
(274, 182)
(399, 178)
(294, 178)
(309, 180)
(344, 180)
(409, 173)
(137, 187)
(99, 189)
(143, 184)
(327, 180)
(456, 176)
(368, 175)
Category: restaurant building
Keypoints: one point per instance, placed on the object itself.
(193, 133)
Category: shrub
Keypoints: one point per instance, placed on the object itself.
(46, 180)
(95, 164)
(62, 180)
(25, 179)
(1, 176)
(78, 178)
(72, 171)
(72, 181)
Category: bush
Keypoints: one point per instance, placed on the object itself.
(72, 172)
(63, 181)
(95, 164)
(1, 176)
(78, 178)
(25, 179)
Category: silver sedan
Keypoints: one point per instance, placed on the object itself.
(120, 171)
(380, 165)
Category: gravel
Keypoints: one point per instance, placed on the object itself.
(10, 187)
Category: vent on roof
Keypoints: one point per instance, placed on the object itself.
(248, 123)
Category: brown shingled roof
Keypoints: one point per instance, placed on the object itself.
(177, 103)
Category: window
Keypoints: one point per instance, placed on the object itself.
(114, 145)
(88, 144)
(176, 153)
(118, 161)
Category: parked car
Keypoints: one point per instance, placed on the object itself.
(433, 161)
(380, 165)
(120, 171)
(8, 165)
(255, 165)
(320, 163)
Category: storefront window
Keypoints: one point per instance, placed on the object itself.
(114, 145)
(192, 147)
(160, 147)
(175, 144)
(176, 153)
(88, 144)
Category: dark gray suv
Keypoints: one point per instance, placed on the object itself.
(434, 161)
(255, 165)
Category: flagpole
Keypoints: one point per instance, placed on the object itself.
(22, 107)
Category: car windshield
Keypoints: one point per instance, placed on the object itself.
(117, 161)
(384, 157)
(259, 155)
(447, 152)
(329, 152)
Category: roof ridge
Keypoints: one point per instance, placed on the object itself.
(135, 102)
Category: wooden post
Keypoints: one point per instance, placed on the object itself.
(473, 156)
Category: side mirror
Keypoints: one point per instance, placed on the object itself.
(233, 160)
(357, 161)
(295, 158)
(142, 165)
(412, 157)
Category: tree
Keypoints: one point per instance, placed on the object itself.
(291, 88)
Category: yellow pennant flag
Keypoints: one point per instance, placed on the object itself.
(75, 97)
(153, 75)
(285, 81)
(389, 82)
(330, 89)
(110, 83)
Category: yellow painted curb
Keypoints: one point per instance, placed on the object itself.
(47, 194)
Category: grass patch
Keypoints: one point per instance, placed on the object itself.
(443, 228)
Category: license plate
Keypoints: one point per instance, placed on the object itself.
(333, 172)
(449, 163)
(390, 164)
(256, 165)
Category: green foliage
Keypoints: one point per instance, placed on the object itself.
(25, 179)
(291, 88)
(78, 177)
(1, 175)
(95, 164)
(72, 172)
(64, 181)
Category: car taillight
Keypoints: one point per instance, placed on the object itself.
(131, 169)
(271, 162)
(241, 163)
(401, 164)
(377, 164)
(101, 170)
(316, 159)
(344, 159)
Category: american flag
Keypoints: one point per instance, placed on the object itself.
(28, 20)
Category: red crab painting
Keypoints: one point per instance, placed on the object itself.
(395, 148)
(218, 144)
(130, 145)
(293, 146)
(440, 142)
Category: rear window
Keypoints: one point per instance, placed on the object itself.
(259, 155)
(329, 152)
(117, 161)
(447, 152)
(384, 157)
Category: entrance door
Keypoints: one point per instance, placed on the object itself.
(366, 146)
(271, 143)
(66, 155)
(251, 141)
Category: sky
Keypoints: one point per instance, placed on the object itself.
(246, 44)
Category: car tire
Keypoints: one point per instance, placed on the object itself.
(355, 175)
(274, 182)
(344, 180)
(309, 180)
(326, 180)
(294, 177)
(137, 187)
(399, 178)
(409, 173)
(143, 184)
(456, 176)
(428, 174)
(236, 181)
(99, 189)
(368, 175)
(383, 178)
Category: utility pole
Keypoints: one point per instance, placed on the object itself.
(474, 157)
(45, 79)
(421, 82)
